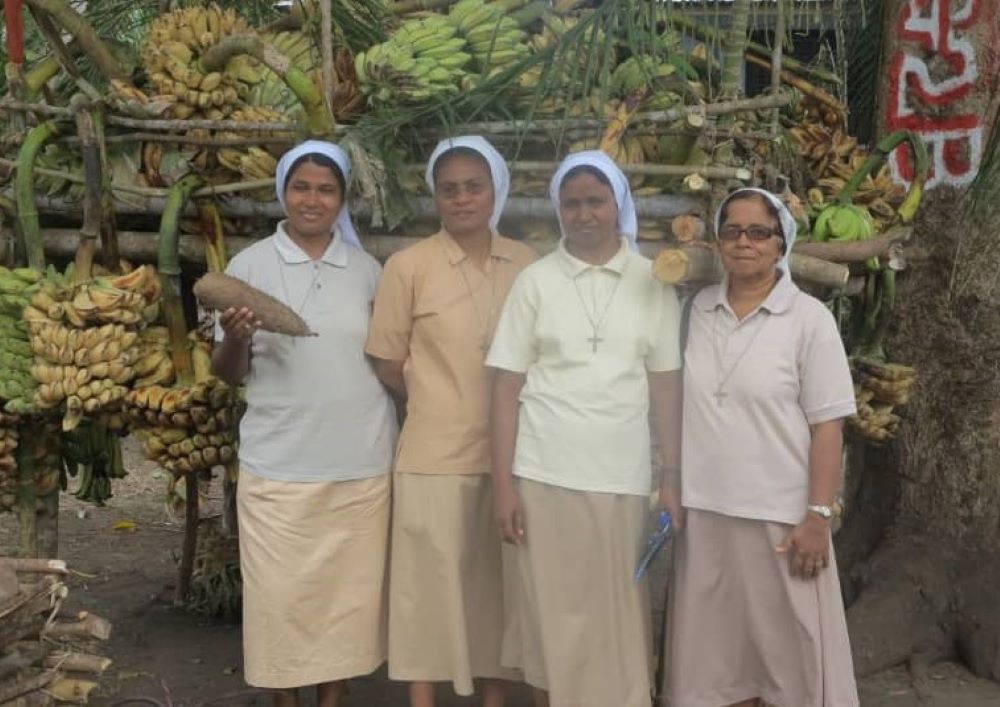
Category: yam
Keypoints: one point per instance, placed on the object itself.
(220, 292)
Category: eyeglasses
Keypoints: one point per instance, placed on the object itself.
(754, 233)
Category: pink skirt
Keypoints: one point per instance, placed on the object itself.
(740, 626)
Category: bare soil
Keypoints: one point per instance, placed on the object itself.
(177, 658)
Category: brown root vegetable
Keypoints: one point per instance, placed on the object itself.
(221, 292)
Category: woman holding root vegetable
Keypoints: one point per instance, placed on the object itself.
(435, 311)
(586, 340)
(316, 443)
(755, 609)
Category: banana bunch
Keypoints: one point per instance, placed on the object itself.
(153, 365)
(833, 157)
(629, 150)
(92, 453)
(879, 388)
(254, 161)
(56, 157)
(17, 387)
(171, 54)
(422, 59)
(639, 72)
(263, 88)
(84, 341)
(843, 222)
(187, 429)
(216, 582)
(9, 435)
(494, 37)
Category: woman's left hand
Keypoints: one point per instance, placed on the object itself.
(808, 547)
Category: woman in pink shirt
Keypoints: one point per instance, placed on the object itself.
(755, 608)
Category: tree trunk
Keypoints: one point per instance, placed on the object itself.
(918, 546)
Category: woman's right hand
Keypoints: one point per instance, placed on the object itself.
(239, 324)
(509, 515)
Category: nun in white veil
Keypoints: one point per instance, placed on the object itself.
(316, 443)
(434, 316)
(586, 340)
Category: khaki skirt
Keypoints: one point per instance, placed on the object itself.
(579, 625)
(313, 558)
(740, 626)
(445, 590)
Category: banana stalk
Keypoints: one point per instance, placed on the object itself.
(41, 73)
(319, 121)
(168, 265)
(24, 191)
(887, 303)
(215, 237)
(91, 45)
(87, 246)
(884, 148)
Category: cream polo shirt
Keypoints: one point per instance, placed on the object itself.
(783, 368)
(435, 311)
(315, 410)
(583, 419)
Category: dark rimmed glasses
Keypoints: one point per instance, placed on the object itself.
(754, 233)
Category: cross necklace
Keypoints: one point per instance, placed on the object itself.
(721, 375)
(591, 313)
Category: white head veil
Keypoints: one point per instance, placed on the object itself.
(628, 222)
(498, 169)
(788, 227)
(319, 147)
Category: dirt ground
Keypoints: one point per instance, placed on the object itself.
(179, 659)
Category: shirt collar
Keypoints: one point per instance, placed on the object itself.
(291, 253)
(778, 301)
(573, 266)
(499, 248)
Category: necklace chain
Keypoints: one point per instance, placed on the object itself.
(722, 376)
(595, 322)
(485, 323)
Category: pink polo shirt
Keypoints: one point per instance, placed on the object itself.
(752, 388)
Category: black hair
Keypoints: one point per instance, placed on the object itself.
(586, 169)
(750, 195)
(321, 160)
(460, 151)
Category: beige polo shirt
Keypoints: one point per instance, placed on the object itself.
(745, 452)
(436, 312)
(583, 419)
(315, 410)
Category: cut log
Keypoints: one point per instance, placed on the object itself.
(75, 662)
(91, 626)
(688, 228)
(71, 690)
(856, 251)
(700, 265)
(35, 565)
(28, 684)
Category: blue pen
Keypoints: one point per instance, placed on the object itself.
(656, 541)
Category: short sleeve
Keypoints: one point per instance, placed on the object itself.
(392, 316)
(826, 390)
(513, 347)
(239, 269)
(664, 354)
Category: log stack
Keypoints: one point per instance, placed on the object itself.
(48, 655)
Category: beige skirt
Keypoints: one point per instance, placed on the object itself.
(446, 594)
(740, 626)
(579, 625)
(313, 558)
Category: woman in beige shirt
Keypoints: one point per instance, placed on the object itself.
(435, 311)
(755, 609)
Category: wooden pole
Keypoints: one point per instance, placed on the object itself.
(856, 251)
(776, 57)
(701, 265)
(190, 547)
(326, 50)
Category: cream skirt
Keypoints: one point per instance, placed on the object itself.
(313, 557)
(446, 594)
(739, 626)
(579, 625)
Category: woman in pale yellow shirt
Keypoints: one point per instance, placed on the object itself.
(435, 311)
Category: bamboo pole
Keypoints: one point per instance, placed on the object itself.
(804, 86)
(212, 141)
(669, 170)
(89, 231)
(776, 62)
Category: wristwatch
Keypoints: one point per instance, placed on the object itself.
(824, 511)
